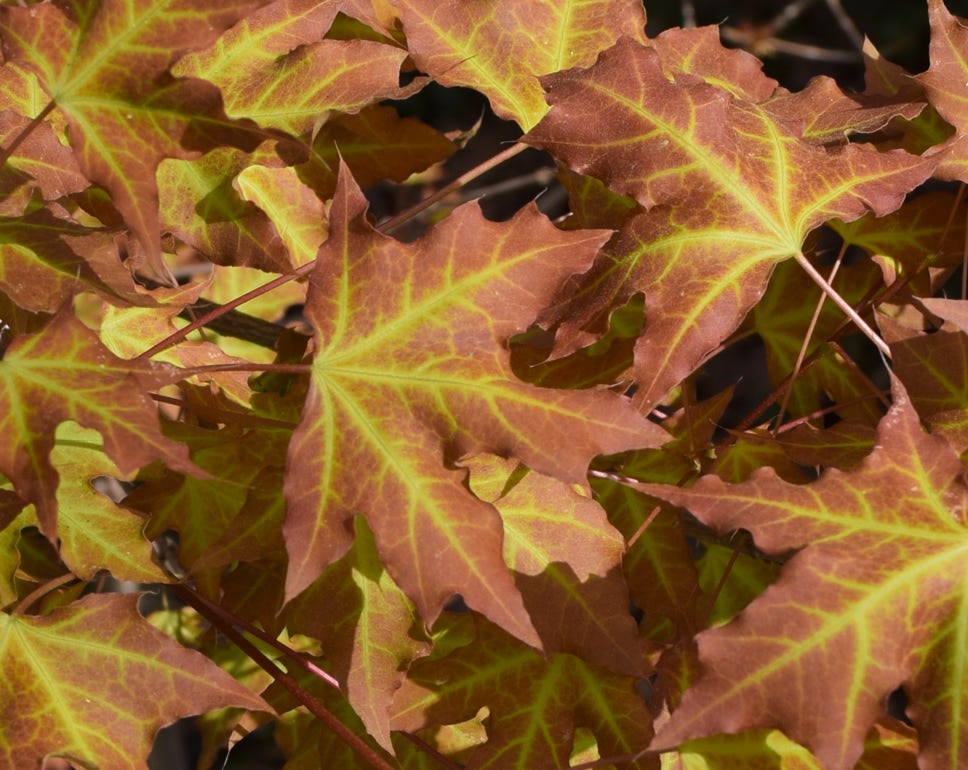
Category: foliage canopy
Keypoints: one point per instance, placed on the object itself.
(482, 506)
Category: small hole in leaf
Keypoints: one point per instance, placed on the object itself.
(897, 703)
(456, 603)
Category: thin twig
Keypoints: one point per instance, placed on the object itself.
(787, 16)
(540, 177)
(26, 131)
(688, 14)
(821, 413)
(808, 336)
(245, 366)
(764, 40)
(767, 46)
(842, 304)
(387, 226)
(43, 590)
(719, 588)
(221, 310)
(815, 52)
(777, 393)
(846, 23)
(316, 707)
(258, 633)
(852, 364)
(642, 527)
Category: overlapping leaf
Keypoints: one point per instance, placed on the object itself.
(501, 49)
(199, 204)
(376, 143)
(410, 374)
(95, 532)
(276, 69)
(44, 261)
(292, 206)
(927, 231)
(874, 600)
(889, 746)
(63, 373)
(944, 84)
(243, 465)
(104, 65)
(576, 598)
(561, 692)
(368, 628)
(935, 371)
(125, 681)
(734, 190)
(42, 164)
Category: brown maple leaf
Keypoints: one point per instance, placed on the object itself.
(411, 372)
(731, 189)
(64, 372)
(874, 600)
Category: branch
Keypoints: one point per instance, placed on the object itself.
(216, 615)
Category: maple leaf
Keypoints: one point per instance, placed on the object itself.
(63, 372)
(497, 672)
(44, 261)
(943, 83)
(577, 600)
(368, 628)
(125, 681)
(745, 576)
(244, 465)
(197, 202)
(42, 163)
(875, 600)
(826, 112)
(501, 50)
(104, 66)
(932, 369)
(411, 373)
(95, 532)
(732, 190)
(829, 115)
(698, 52)
(927, 231)
(296, 211)
(377, 144)
(658, 565)
(953, 310)
(592, 204)
(14, 522)
(276, 69)
(844, 445)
